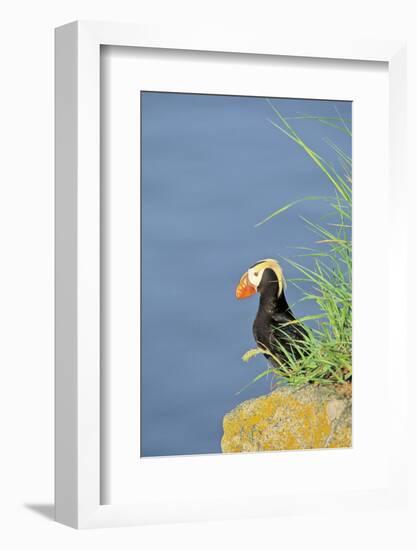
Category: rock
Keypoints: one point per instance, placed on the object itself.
(311, 417)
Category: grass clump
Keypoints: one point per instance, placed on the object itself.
(324, 355)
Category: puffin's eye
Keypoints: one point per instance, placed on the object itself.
(256, 274)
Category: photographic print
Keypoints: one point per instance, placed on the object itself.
(246, 274)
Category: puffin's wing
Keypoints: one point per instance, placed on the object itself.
(289, 333)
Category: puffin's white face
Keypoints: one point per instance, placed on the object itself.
(255, 275)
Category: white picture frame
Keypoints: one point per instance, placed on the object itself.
(78, 404)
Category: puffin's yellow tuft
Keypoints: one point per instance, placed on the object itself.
(270, 263)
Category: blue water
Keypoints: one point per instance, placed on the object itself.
(212, 167)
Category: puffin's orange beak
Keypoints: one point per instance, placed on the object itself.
(245, 289)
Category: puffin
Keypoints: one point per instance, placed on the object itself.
(275, 326)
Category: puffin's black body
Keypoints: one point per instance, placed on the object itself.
(271, 328)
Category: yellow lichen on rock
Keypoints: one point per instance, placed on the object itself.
(312, 417)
